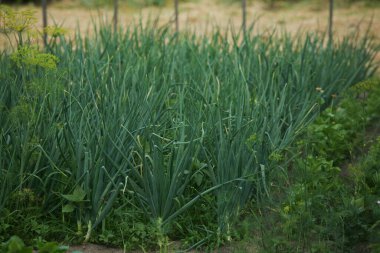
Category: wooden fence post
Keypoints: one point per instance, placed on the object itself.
(176, 15)
(44, 21)
(244, 11)
(331, 10)
(115, 14)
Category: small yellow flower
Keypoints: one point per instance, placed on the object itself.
(319, 89)
(275, 156)
(55, 31)
(16, 21)
(30, 56)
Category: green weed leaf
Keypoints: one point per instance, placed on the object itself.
(78, 195)
(69, 208)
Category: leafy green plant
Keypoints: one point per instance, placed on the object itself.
(326, 208)
(315, 207)
(126, 226)
(330, 138)
(76, 200)
(362, 225)
(338, 134)
(16, 245)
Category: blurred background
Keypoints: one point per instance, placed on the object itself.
(198, 15)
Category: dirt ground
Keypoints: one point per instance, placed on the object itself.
(93, 248)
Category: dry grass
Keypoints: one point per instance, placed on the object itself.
(200, 16)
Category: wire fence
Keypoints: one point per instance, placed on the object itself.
(176, 17)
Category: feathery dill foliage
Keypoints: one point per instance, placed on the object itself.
(163, 119)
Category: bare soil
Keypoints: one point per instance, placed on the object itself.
(93, 248)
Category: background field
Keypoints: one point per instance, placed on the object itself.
(201, 15)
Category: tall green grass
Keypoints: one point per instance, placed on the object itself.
(143, 112)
